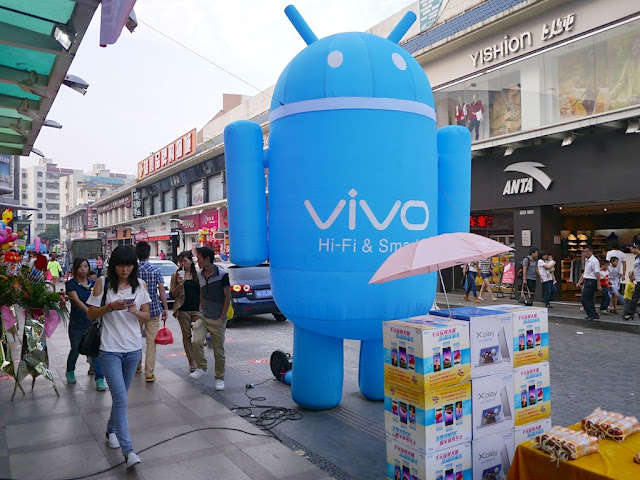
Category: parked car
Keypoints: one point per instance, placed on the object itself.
(168, 268)
(251, 290)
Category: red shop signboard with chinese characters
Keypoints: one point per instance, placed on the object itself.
(172, 153)
(481, 221)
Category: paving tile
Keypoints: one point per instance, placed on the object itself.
(187, 443)
(43, 431)
(233, 427)
(148, 417)
(197, 469)
(27, 409)
(65, 461)
(181, 389)
(248, 465)
(204, 406)
(279, 460)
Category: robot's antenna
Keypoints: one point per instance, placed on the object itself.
(301, 26)
(402, 27)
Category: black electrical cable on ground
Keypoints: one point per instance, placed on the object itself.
(271, 417)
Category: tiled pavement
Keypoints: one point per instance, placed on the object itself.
(43, 436)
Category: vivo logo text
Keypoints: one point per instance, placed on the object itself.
(380, 223)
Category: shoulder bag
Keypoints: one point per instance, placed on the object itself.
(90, 342)
(526, 298)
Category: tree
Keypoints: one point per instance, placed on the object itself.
(52, 232)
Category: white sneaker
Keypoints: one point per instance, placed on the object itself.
(198, 373)
(132, 459)
(219, 385)
(112, 440)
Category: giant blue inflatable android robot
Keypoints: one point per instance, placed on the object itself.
(356, 170)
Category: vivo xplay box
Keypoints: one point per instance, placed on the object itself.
(492, 404)
(532, 393)
(490, 334)
(428, 421)
(493, 455)
(426, 352)
(526, 433)
(451, 463)
(530, 333)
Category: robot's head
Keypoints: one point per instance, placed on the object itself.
(352, 65)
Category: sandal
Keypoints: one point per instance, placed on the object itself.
(627, 317)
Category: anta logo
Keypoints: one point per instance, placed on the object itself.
(380, 220)
(525, 185)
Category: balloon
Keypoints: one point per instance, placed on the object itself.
(346, 223)
(2, 225)
(7, 216)
(6, 246)
(36, 244)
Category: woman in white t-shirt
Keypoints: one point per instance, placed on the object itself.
(125, 304)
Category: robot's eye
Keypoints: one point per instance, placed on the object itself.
(335, 59)
(398, 61)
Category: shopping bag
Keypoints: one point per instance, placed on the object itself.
(230, 312)
(526, 297)
(90, 342)
(48, 276)
(164, 336)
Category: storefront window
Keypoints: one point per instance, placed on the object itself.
(157, 205)
(146, 206)
(168, 201)
(181, 197)
(591, 76)
(216, 189)
(197, 193)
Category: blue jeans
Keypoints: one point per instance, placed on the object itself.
(606, 299)
(119, 370)
(547, 292)
(471, 283)
(75, 335)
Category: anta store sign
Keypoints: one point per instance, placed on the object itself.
(174, 152)
(525, 184)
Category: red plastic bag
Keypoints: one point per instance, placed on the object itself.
(164, 336)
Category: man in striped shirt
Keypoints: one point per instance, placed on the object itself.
(152, 275)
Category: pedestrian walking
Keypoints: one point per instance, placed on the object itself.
(99, 265)
(185, 290)
(470, 273)
(545, 278)
(121, 300)
(591, 280)
(162, 255)
(622, 258)
(54, 270)
(629, 287)
(152, 275)
(215, 297)
(630, 306)
(485, 272)
(79, 288)
(530, 272)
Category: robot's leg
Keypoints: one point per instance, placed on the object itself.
(316, 381)
(371, 370)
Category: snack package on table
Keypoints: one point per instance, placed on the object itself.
(615, 426)
(566, 444)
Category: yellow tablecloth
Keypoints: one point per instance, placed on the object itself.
(613, 461)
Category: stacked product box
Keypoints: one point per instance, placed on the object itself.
(509, 380)
(427, 399)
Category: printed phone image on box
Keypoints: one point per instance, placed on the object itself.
(493, 455)
(428, 421)
(532, 393)
(426, 352)
(490, 334)
(530, 334)
(492, 404)
(451, 463)
(526, 433)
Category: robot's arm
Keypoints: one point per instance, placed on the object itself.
(454, 179)
(247, 203)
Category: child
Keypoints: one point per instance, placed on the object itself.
(93, 275)
(614, 276)
(630, 287)
(605, 284)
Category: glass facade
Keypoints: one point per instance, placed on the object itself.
(215, 187)
(181, 197)
(590, 76)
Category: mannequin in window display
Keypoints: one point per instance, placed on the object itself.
(461, 113)
(627, 90)
(476, 114)
(513, 109)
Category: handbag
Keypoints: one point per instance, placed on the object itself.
(164, 335)
(90, 342)
(526, 298)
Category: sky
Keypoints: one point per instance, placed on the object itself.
(145, 91)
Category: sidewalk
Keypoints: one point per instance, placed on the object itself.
(561, 312)
(43, 436)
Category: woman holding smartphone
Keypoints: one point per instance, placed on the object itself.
(79, 288)
(122, 305)
(185, 290)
